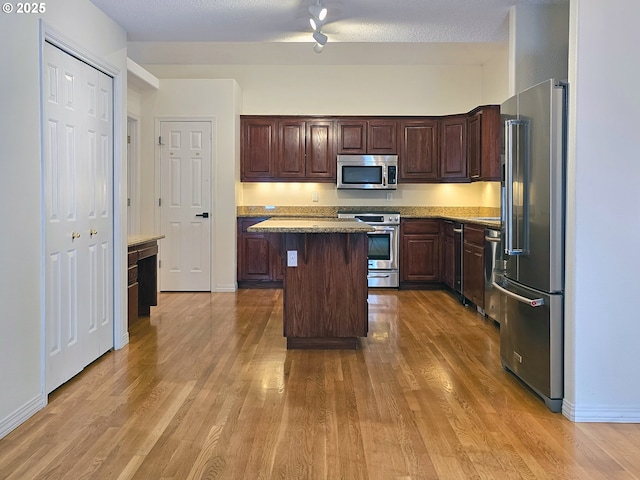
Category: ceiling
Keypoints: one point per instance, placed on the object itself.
(278, 31)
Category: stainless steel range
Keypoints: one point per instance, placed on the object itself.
(384, 245)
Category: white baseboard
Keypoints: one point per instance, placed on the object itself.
(226, 288)
(600, 414)
(22, 414)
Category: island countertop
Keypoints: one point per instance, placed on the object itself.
(311, 225)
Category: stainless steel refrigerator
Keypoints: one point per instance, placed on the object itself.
(533, 213)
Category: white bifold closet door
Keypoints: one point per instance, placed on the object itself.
(78, 214)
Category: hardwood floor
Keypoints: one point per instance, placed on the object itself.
(206, 389)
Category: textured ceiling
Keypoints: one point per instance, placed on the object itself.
(156, 28)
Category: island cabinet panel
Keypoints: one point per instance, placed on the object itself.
(453, 149)
(259, 261)
(418, 151)
(473, 264)
(258, 148)
(420, 251)
(325, 295)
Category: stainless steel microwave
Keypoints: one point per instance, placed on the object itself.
(365, 172)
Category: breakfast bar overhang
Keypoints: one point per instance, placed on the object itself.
(325, 281)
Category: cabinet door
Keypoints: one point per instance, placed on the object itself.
(491, 143)
(352, 136)
(320, 162)
(418, 157)
(474, 145)
(473, 264)
(453, 149)
(257, 260)
(258, 148)
(291, 149)
(420, 250)
(448, 254)
(381, 138)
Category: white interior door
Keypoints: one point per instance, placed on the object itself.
(78, 176)
(185, 159)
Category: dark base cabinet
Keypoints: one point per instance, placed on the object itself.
(473, 261)
(142, 279)
(260, 264)
(419, 252)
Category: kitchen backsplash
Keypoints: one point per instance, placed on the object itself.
(332, 211)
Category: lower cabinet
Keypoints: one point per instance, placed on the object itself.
(419, 251)
(473, 264)
(448, 267)
(259, 261)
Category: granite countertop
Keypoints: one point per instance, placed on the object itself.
(311, 225)
(487, 216)
(133, 240)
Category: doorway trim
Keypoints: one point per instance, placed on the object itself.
(158, 185)
(133, 174)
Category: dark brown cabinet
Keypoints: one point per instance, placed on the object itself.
(419, 250)
(418, 155)
(453, 149)
(473, 264)
(287, 149)
(360, 136)
(259, 259)
(484, 143)
(258, 138)
(448, 266)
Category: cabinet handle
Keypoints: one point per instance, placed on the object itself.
(492, 239)
(457, 230)
(74, 235)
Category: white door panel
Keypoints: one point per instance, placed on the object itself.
(185, 192)
(78, 179)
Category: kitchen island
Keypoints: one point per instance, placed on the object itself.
(325, 279)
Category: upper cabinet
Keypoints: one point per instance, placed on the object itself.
(418, 156)
(453, 149)
(258, 151)
(374, 137)
(287, 149)
(484, 143)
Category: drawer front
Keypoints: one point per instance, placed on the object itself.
(132, 275)
(147, 252)
(474, 235)
(132, 258)
(417, 227)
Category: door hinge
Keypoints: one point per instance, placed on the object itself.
(128, 202)
(159, 202)
(128, 138)
(160, 141)
(159, 263)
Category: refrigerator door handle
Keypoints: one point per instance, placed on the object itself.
(535, 302)
(511, 144)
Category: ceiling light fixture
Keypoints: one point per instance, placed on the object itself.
(318, 11)
(318, 17)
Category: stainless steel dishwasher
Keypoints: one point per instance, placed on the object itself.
(493, 269)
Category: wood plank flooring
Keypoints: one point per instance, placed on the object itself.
(207, 390)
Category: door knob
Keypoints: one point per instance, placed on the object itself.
(74, 235)
(203, 215)
(93, 232)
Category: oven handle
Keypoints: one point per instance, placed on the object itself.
(378, 275)
(382, 229)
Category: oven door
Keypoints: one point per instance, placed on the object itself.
(383, 248)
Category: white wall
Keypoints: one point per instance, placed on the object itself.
(219, 100)
(356, 90)
(538, 43)
(602, 324)
(495, 78)
(21, 246)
